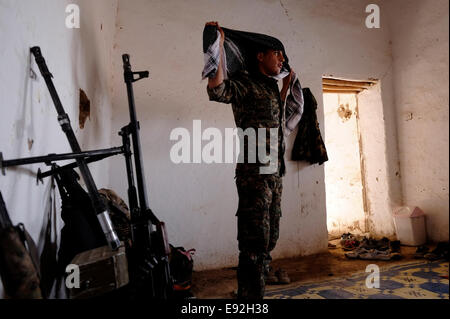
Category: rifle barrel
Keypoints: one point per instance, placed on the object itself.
(60, 157)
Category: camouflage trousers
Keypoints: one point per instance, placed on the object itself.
(258, 215)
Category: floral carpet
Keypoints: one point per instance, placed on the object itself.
(414, 280)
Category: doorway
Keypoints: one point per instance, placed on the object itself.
(344, 171)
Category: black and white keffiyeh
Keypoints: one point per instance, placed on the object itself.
(239, 55)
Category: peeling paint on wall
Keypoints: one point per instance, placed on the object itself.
(408, 116)
(30, 143)
(344, 112)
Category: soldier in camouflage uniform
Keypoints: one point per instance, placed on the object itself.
(257, 103)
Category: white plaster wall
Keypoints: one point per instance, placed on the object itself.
(343, 183)
(198, 201)
(421, 63)
(78, 58)
(380, 174)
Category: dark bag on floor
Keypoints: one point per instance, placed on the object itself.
(181, 267)
(19, 263)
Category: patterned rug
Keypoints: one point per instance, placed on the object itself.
(415, 280)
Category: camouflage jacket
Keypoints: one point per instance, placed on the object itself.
(256, 103)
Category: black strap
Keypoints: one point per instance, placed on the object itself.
(5, 221)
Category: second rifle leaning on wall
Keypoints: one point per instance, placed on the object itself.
(149, 256)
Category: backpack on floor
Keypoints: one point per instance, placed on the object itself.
(181, 267)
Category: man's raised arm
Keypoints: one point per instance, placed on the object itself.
(218, 79)
(220, 90)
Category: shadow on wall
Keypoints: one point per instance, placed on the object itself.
(393, 147)
(85, 67)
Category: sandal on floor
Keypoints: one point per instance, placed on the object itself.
(350, 244)
(346, 237)
(374, 254)
(355, 253)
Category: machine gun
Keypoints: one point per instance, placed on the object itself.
(148, 256)
(64, 121)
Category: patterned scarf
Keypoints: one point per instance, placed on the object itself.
(239, 54)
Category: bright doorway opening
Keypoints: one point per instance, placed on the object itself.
(346, 202)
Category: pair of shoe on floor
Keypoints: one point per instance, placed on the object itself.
(381, 245)
(370, 243)
(372, 254)
(278, 277)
